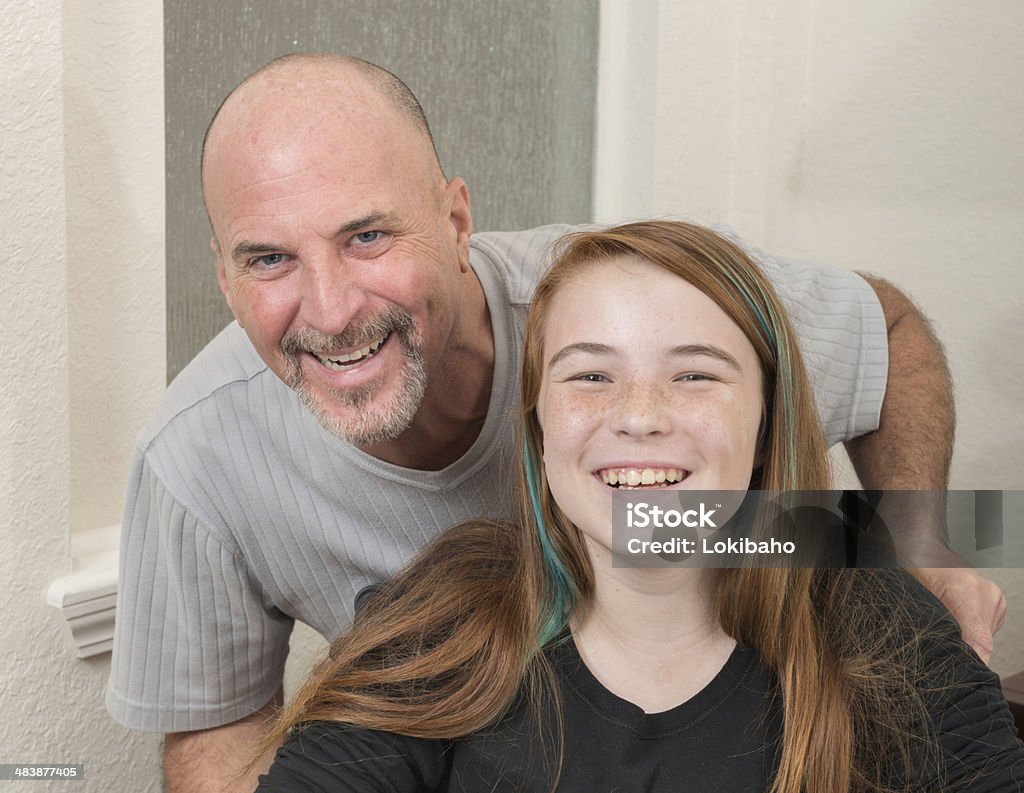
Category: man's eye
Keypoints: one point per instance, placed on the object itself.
(366, 237)
(268, 260)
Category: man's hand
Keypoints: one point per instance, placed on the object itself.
(212, 761)
(975, 602)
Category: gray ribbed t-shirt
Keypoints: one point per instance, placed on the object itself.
(244, 515)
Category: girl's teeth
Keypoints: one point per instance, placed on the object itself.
(638, 477)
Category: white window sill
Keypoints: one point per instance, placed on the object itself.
(88, 597)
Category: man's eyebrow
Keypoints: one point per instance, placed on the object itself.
(245, 249)
(373, 219)
(680, 351)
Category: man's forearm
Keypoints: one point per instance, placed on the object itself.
(911, 450)
(215, 760)
(913, 445)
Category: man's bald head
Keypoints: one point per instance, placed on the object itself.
(341, 249)
(315, 74)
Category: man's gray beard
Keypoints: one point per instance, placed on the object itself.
(368, 427)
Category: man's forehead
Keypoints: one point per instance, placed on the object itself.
(307, 196)
(268, 128)
(277, 112)
(269, 161)
(279, 198)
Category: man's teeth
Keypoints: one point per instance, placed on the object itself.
(636, 477)
(340, 363)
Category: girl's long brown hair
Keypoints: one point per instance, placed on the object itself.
(454, 641)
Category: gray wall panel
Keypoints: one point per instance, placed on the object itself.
(509, 87)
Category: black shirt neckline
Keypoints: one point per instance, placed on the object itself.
(741, 664)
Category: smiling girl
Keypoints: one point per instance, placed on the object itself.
(516, 657)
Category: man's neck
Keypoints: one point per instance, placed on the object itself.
(454, 407)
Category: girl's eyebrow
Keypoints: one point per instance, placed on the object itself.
(709, 350)
(590, 347)
(680, 351)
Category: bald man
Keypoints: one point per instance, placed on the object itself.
(365, 398)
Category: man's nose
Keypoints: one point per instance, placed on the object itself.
(641, 409)
(331, 293)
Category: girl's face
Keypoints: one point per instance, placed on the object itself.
(647, 383)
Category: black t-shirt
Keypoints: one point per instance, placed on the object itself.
(725, 738)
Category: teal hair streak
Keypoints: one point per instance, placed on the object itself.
(769, 323)
(563, 588)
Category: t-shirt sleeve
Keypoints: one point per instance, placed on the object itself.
(195, 645)
(327, 758)
(842, 335)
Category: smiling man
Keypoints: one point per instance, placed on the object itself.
(346, 260)
(365, 400)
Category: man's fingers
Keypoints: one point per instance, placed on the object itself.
(981, 643)
(975, 602)
(1001, 618)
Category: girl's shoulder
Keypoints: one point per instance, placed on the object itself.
(323, 757)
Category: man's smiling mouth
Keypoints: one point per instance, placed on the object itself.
(346, 361)
(642, 477)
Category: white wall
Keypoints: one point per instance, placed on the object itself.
(882, 136)
(81, 348)
(114, 178)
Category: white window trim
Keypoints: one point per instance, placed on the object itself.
(87, 598)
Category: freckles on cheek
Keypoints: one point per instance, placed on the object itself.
(567, 413)
(724, 422)
(568, 423)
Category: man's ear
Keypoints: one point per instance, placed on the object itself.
(222, 276)
(460, 217)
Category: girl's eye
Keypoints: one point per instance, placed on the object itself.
(592, 377)
(693, 377)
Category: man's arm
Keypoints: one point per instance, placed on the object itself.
(913, 445)
(911, 450)
(214, 761)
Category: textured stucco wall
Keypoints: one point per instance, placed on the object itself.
(114, 177)
(877, 136)
(77, 315)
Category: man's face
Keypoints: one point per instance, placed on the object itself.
(340, 252)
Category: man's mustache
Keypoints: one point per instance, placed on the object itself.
(356, 335)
